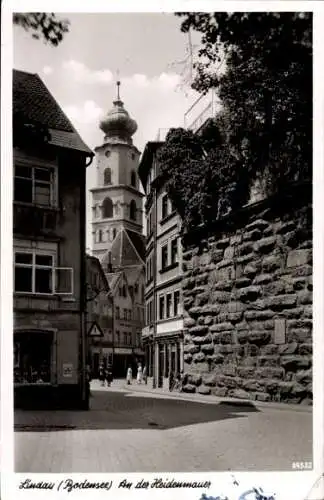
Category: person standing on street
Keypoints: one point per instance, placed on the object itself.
(129, 376)
(102, 374)
(145, 375)
(108, 375)
(139, 373)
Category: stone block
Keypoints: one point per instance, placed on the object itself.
(295, 362)
(235, 317)
(199, 330)
(197, 290)
(249, 360)
(262, 279)
(202, 279)
(221, 327)
(199, 357)
(206, 339)
(226, 349)
(188, 302)
(275, 288)
(242, 282)
(305, 349)
(205, 259)
(194, 378)
(271, 263)
(262, 396)
(260, 224)
(299, 335)
(209, 309)
(258, 315)
(299, 283)
(250, 270)
(298, 258)
(245, 371)
(224, 263)
(245, 248)
(225, 286)
(239, 394)
(208, 320)
(209, 380)
(305, 376)
(203, 389)
(285, 227)
(220, 297)
(223, 338)
(188, 283)
(265, 245)
(305, 270)
(230, 382)
(300, 323)
(290, 348)
(235, 306)
(229, 253)
(308, 311)
(271, 386)
(270, 372)
(202, 299)
(292, 313)
(187, 358)
(216, 255)
(285, 388)
(188, 322)
(281, 301)
(189, 388)
(245, 259)
(220, 392)
(207, 348)
(250, 385)
(269, 360)
(269, 349)
(259, 337)
(223, 243)
(229, 370)
(253, 235)
(217, 359)
(249, 293)
(304, 297)
(190, 348)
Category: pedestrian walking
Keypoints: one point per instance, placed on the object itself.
(129, 376)
(101, 374)
(139, 373)
(145, 374)
(109, 375)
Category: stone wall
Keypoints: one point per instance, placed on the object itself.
(247, 291)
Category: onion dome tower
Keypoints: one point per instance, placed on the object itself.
(117, 201)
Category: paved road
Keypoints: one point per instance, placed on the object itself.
(135, 431)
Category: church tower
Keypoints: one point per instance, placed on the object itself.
(117, 203)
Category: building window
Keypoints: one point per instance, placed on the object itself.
(176, 303)
(161, 306)
(133, 156)
(107, 153)
(34, 185)
(34, 273)
(169, 305)
(107, 208)
(124, 291)
(117, 313)
(32, 360)
(164, 256)
(114, 233)
(174, 251)
(136, 288)
(133, 178)
(125, 338)
(164, 206)
(117, 337)
(130, 339)
(99, 236)
(107, 176)
(132, 210)
(124, 313)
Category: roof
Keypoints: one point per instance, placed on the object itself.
(147, 160)
(113, 279)
(127, 249)
(33, 103)
(96, 262)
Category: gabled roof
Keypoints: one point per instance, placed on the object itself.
(113, 280)
(33, 103)
(127, 249)
(94, 261)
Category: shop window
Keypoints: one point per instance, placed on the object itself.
(133, 178)
(107, 176)
(32, 358)
(107, 208)
(132, 210)
(34, 185)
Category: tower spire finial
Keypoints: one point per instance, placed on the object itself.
(118, 84)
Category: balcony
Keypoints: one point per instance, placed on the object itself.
(34, 220)
(205, 107)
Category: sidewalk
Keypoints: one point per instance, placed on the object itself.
(120, 385)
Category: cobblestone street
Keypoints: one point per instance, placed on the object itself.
(136, 431)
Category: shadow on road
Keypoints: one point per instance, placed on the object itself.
(116, 410)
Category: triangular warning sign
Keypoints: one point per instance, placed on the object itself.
(95, 330)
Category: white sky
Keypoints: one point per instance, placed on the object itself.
(81, 72)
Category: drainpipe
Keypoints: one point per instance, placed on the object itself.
(155, 382)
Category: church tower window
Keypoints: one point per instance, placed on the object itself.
(107, 208)
(107, 176)
(132, 210)
(133, 178)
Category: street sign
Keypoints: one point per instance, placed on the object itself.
(95, 330)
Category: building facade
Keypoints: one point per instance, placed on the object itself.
(162, 336)
(50, 161)
(117, 231)
(99, 317)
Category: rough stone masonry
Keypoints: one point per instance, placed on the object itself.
(247, 289)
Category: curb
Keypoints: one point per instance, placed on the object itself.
(215, 399)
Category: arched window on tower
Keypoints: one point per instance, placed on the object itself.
(132, 210)
(107, 176)
(107, 208)
(114, 233)
(133, 178)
